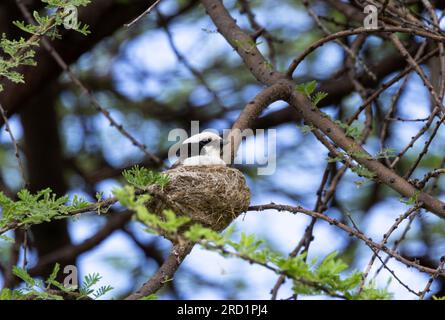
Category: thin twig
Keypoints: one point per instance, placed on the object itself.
(349, 230)
(59, 60)
(16, 146)
(432, 278)
(143, 14)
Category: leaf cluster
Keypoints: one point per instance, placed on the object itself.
(36, 289)
(308, 89)
(309, 278)
(16, 53)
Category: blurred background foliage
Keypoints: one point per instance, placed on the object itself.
(172, 68)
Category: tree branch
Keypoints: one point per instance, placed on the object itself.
(264, 73)
(165, 273)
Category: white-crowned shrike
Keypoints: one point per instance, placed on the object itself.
(203, 149)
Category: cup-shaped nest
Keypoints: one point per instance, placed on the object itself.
(212, 196)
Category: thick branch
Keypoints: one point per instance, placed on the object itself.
(165, 273)
(258, 66)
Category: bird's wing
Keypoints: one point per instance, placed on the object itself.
(203, 161)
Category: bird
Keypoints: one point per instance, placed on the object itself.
(201, 186)
(202, 149)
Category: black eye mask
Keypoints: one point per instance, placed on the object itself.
(191, 149)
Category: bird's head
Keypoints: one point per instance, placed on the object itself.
(204, 144)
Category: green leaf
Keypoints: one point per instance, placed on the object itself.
(142, 177)
(23, 274)
(320, 95)
(412, 200)
(54, 273)
(6, 238)
(307, 88)
(102, 291)
(150, 297)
